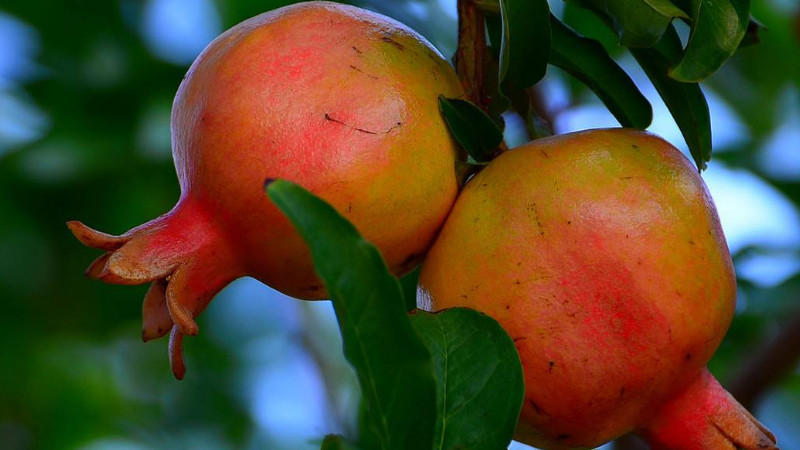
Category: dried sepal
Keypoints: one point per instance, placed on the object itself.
(176, 362)
(156, 320)
(95, 239)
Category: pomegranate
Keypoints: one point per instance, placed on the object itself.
(340, 100)
(602, 256)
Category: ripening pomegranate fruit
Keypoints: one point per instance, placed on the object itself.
(340, 100)
(602, 256)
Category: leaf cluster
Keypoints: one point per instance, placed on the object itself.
(524, 38)
(446, 380)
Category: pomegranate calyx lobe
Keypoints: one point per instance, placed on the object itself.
(95, 239)
(183, 256)
(176, 362)
(705, 416)
(156, 319)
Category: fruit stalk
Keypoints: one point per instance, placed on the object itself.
(471, 53)
(775, 360)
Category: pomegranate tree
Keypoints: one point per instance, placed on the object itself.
(602, 256)
(340, 100)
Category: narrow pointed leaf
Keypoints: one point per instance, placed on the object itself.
(685, 101)
(718, 27)
(587, 60)
(525, 42)
(471, 127)
(393, 366)
(639, 23)
(496, 101)
(480, 382)
(409, 285)
(494, 35)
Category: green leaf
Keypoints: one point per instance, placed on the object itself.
(639, 23)
(480, 382)
(685, 101)
(587, 60)
(393, 366)
(718, 27)
(367, 435)
(335, 442)
(409, 285)
(494, 35)
(471, 127)
(525, 43)
(667, 8)
(496, 101)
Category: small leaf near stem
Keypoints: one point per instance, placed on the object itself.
(471, 127)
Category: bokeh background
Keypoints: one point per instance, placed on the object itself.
(85, 95)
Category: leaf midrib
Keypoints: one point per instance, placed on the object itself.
(444, 382)
(384, 434)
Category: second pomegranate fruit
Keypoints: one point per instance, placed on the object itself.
(602, 256)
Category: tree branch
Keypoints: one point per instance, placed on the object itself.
(470, 56)
(769, 365)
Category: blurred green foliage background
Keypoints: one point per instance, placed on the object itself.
(85, 95)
